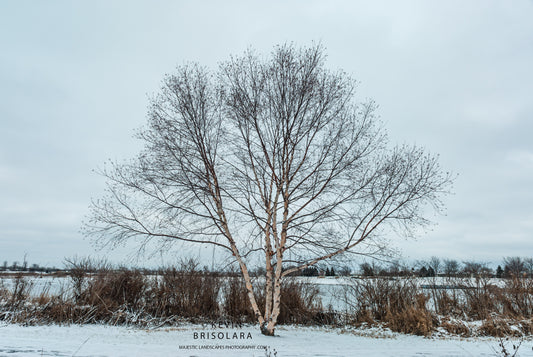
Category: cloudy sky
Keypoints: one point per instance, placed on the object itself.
(454, 77)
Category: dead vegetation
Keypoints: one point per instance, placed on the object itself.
(102, 294)
(396, 303)
(403, 306)
(300, 303)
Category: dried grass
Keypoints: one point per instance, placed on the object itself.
(129, 296)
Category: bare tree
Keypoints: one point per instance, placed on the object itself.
(269, 158)
(514, 266)
(345, 271)
(370, 269)
(528, 265)
(476, 269)
(451, 267)
(435, 263)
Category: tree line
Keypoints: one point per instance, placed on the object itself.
(26, 267)
(509, 267)
(435, 266)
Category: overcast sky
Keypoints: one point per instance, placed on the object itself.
(455, 77)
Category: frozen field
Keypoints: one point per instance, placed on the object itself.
(98, 340)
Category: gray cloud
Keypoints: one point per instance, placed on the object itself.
(453, 77)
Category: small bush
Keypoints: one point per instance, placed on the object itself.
(4, 293)
(109, 290)
(186, 293)
(300, 303)
(527, 327)
(517, 297)
(395, 303)
(497, 328)
(236, 305)
(21, 292)
(456, 328)
(362, 317)
(413, 319)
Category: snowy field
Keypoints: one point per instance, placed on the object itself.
(98, 340)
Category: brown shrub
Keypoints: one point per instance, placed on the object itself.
(108, 290)
(456, 328)
(517, 297)
(189, 294)
(299, 304)
(42, 299)
(362, 316)
(481, 297)
(447, 303)
(59, 311)
(497, 328)
(4, 293)
(413, 319)
(236, 305)
(527, 326)
(20, 293)
(397, 303)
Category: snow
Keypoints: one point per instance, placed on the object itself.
(100, 340)
(37, 285)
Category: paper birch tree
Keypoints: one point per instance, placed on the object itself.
(269, 157)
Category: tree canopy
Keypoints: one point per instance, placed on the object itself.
(268, 157)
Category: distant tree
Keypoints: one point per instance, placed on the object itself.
(345, 271)
(332, 272)
(393, 269)
(403, 269)
(260, 271)
(451, 267)
(431, 272)
(514, 266)
(499, 271)
(268, 158)
(436, 264)
(423, 272)
(528, 265)
(34, 267)
(310, 271)
(367, 269)
(476, 269)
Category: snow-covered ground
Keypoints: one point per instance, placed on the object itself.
(37, 284)
(98, 340)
